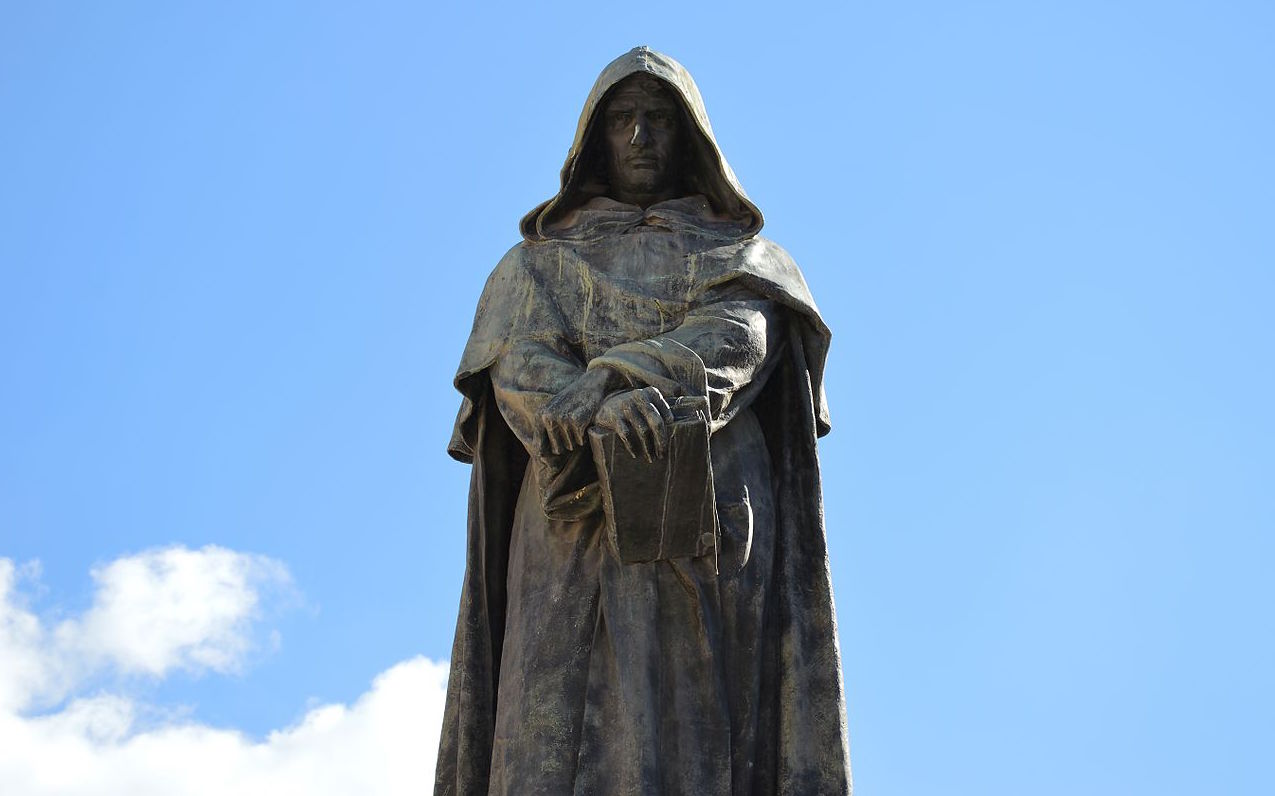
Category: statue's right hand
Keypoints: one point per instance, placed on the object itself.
(640, 418)
(566, 417)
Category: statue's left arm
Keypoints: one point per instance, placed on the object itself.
(723, 350)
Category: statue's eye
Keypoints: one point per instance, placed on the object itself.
(659, 117)
(621, 117)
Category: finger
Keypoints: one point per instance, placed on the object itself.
(565, 435)
(654, 424)
(660, 403)
(573, 425)
(570, 436)
(631, 413)
(545, 440)
(623, 431)
(551, 431)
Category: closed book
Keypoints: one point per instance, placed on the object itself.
(665, 508)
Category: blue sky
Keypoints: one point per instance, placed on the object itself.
(240, 245)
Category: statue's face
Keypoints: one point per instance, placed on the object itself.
(642, 131)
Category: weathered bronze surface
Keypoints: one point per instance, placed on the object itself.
(642, 316)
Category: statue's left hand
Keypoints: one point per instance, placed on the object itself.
(568, 415)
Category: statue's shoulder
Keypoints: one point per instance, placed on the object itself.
(759, 256)
(513, 259)
(525, 257)
(768, 267)
(510, 269)
(761, 243)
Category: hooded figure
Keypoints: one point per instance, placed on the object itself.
(573, 672)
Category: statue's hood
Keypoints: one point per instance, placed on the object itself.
(712, 175)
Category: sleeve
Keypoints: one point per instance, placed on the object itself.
(535, 365)
(723, 350)
(525, 377)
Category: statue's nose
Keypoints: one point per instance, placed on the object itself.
(640, 135)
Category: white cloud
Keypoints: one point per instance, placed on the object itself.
(181, 609)
(382, 745)
(159, 610)
(26, 666)
(176, 608)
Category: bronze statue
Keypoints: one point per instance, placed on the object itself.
(641, 345)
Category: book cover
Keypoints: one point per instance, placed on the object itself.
(665, 508)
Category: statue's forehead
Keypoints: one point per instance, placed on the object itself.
(642, 87)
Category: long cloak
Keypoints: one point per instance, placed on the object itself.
(620, 681)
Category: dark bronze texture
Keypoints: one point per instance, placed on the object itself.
(709, 667)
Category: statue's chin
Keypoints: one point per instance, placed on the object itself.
(643, 184)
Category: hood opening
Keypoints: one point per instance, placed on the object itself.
(705, 170)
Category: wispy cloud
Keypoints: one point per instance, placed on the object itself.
(153, 612)
(190, 610)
